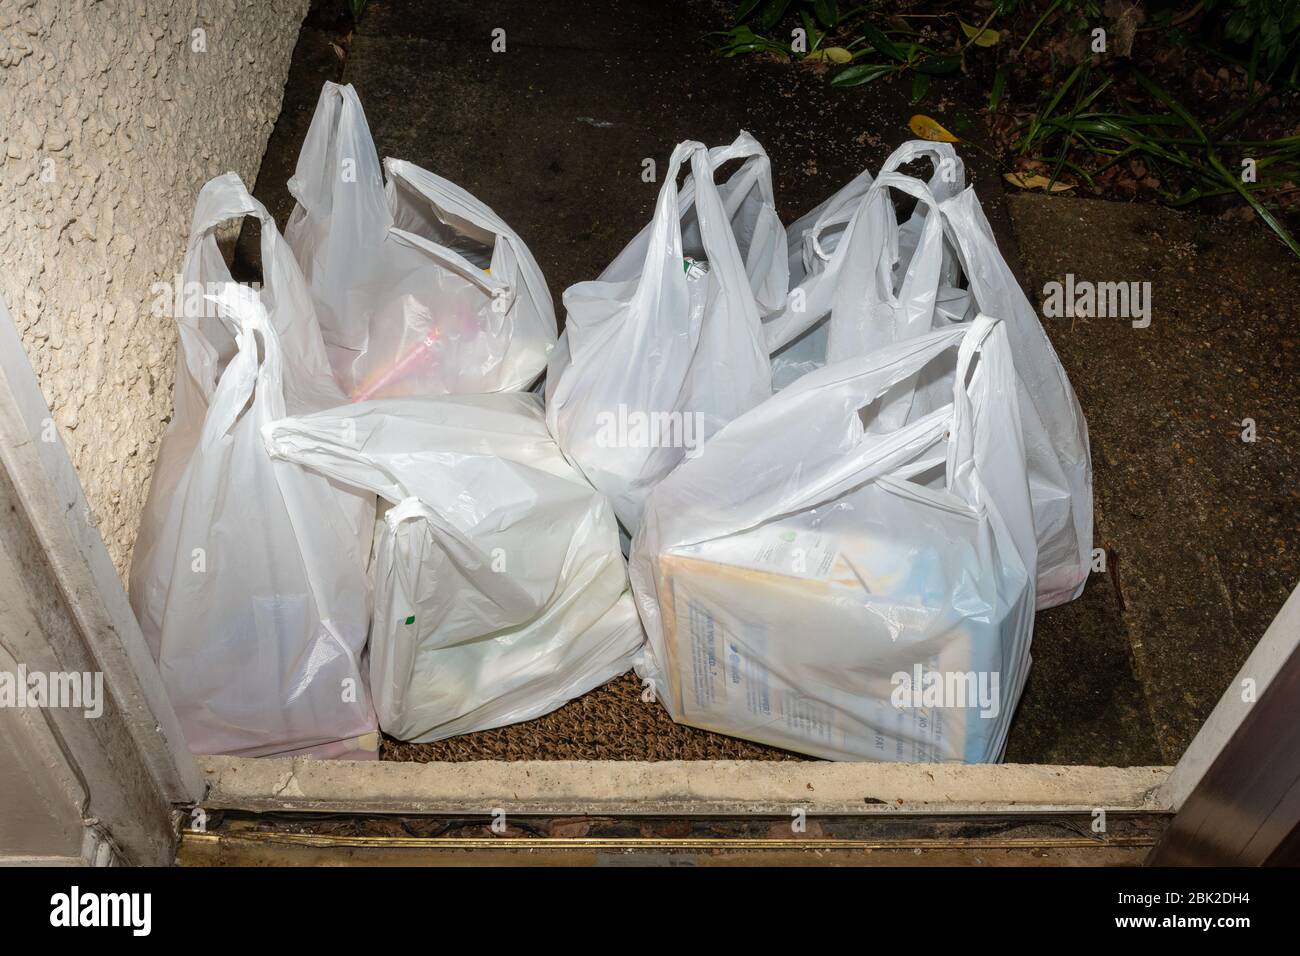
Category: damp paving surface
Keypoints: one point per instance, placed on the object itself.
(1198, 525)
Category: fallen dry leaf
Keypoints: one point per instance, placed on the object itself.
(926, 128)
(1022, 181)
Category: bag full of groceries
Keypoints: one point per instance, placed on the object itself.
(500, 589)
(420, 288)
(871, 310)
(248, 576)
(666, 346)
(866, 281)
(817, 584)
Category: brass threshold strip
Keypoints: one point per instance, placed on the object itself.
(276, 838)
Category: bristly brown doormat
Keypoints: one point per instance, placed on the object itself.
(609, 723)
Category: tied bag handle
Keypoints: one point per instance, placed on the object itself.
(221, 199)
(253, 373)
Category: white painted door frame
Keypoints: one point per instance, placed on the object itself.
(63, 611)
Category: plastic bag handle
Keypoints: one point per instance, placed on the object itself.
(446, 197)
(665, 244)
(221, 199)
(456, 263)
(253, 373)
(338, 131)
(937, 153)
(981, 332)
(745, 147)
(907, 184)
(838, 211)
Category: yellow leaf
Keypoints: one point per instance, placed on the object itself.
(836, 54)
(986, 37)
(1035, 182)
(927, 128)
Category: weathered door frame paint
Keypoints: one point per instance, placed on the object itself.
(63, 609)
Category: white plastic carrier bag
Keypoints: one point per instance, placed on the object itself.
(797, 333)
(666, 346)
(894, 285)
(421, 289)
(248, 575)
(813, 584)
(500, 589)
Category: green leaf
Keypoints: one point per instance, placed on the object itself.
(861, 73)
(746, 8)
(876, 37)
(999, 83)
(833, 54)
(826, 12)
(920, 86)
(1233, 180)
(772, 11)
(985, 37)
(810, 30)
(939, 65)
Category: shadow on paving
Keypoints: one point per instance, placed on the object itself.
(552, 134)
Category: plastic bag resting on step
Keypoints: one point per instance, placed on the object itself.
(887, 292)
(802, 578)
(797, 334)
(500, 589)
(421, 289)
(248, 575)
(667, 346)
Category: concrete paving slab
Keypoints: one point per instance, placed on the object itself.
(1200, 524)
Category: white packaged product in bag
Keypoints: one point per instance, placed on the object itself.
(666, 346)
(421, 289)
(895, 285)
(248, 575)
(500, 589)
(812, 584)
(797, 334)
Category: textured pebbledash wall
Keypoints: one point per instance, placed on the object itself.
(112, 116)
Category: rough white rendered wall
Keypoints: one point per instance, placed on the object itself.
(111, 119)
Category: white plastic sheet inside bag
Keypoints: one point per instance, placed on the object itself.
(420, 287)
(248, 576)
(500, 589)
(660, 352)
(801, 577)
